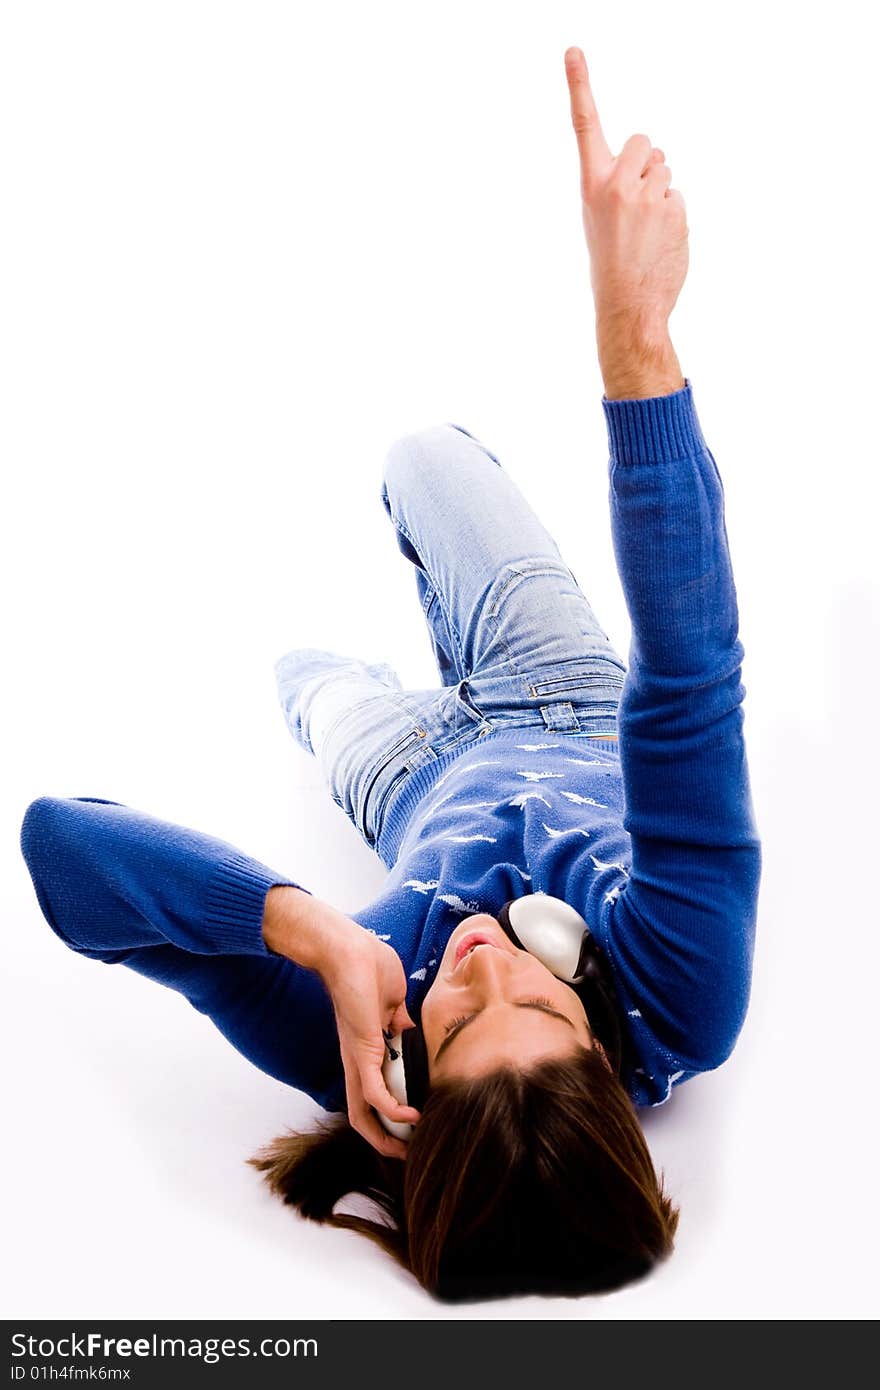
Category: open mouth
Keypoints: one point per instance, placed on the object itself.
(467, 944)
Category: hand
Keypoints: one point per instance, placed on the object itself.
(367, 985)
(635, 224)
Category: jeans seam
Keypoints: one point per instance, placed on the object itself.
(426, 753)
(400, 525)
(517, 570)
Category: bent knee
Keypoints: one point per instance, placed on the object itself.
(414, 452)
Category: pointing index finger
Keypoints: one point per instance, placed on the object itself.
(593, 148)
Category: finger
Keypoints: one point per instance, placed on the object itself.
(370, 1127)
(595, 156)
(366, 1084)
(657, 157)
(368, 1061)
(363, 1119)
(377, 1094)
(401, 1020)
(657, 180)
(385, 1143)
(633, 159)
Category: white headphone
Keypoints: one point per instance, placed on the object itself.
(558, 936)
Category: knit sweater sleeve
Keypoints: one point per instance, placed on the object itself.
(681, 931)
(109, 878)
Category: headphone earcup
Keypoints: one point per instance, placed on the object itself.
(588, 965)
(548, 929)
(405, 1071)
(394, 1076)
(505, 924)
(557, 935)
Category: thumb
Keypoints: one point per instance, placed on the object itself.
(401, 1019)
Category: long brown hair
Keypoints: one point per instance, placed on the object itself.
(534, 1181)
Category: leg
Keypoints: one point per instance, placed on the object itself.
(365, 730)
(506, 615)
(316, 687)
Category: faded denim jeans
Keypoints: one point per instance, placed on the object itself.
(515, 640)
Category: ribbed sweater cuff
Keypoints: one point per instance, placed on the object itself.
(235, 902)
(656, 429)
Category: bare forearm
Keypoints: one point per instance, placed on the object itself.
(304, 928)
(636, 363)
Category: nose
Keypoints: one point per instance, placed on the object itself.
(487, 968)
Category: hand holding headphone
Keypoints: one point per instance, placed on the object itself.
(558, 936)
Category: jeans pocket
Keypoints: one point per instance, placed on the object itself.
(409, 752)
(598, 682)
(583, 687)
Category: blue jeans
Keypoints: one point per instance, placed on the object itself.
(515, 640)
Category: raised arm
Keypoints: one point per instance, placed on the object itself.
(637, 236)
(680, 932)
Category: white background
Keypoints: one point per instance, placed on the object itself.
(246, 246)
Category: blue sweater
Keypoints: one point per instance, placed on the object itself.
(654, 841)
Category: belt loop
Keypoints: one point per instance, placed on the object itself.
(560, 717)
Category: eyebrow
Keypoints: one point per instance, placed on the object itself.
(542, 1008)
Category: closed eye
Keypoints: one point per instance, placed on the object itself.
(463, 1018)
(457, 1024)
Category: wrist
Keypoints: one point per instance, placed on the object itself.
(301, 927)
(637, 359)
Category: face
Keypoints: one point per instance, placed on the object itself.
(492, 1003)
